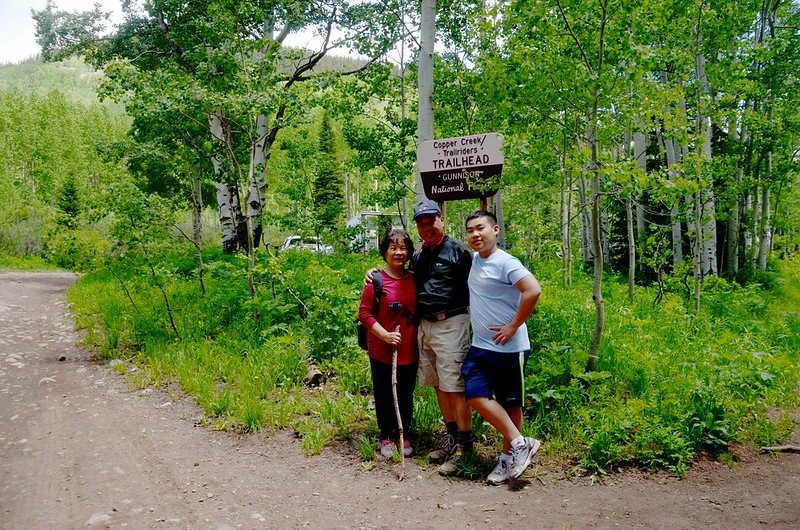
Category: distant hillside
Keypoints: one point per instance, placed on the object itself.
(74, 78)
(78, 81)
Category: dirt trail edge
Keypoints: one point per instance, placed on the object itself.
(80, 449)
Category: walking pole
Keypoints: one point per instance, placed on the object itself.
(397, 412)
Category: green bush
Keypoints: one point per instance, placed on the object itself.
(670, 383)
(707, 424)
(77, 250)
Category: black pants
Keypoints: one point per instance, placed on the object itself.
(384, 402)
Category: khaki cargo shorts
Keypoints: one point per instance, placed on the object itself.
(442, 347)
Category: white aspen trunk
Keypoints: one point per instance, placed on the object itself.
(766, 229)
(597, 292)
(227, 195)
(197, 224)
(497, 208)
(228, 203)
(597, 283)
(670, 150)
(681, 152)
(757, 220)
(766, 221)
(698, 252)
(732, 235)
(640, 155)
(750, 213)
(197, 208)
(358, 190)
(674, 214)
(566, 247)
(404, 216)
(709, 233)
(425, 85)
(584, 208)
(631, 249)
(734, 218)
(707, 212)
(587, 248)
(257, 182)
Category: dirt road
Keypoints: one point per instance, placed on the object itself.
(78, 449)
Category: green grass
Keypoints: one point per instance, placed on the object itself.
(27, 262)
(670, 385)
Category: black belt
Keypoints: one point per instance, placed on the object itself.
(438, 317)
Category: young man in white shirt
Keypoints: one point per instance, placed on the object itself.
(503, 294)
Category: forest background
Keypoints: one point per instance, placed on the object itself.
(650, 183)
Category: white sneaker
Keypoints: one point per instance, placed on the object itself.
(500, 474)
(522, 456)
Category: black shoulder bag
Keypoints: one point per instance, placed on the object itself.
(377, 286)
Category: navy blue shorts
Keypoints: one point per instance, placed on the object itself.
(495, 374)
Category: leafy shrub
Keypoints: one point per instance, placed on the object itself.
(21, 229)
(78, 250)
(706, 422)
(608, 441)
(766, 280)
(663, 447)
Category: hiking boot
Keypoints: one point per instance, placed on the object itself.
(445, 448)
(522, 456)
(407, 449)
(386, 447)
(450, 466)
(500, 474)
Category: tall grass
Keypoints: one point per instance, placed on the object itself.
(671, 384)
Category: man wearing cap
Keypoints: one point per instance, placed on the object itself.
(441, 268)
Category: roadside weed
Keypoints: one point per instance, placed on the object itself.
(367, 448)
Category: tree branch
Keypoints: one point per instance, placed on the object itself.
(782, 449)
(574, 37)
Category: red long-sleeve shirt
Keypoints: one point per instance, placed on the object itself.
(389, 315)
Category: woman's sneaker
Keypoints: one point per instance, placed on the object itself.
(386, 448)
(407, 449)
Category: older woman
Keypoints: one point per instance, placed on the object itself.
(392, 326)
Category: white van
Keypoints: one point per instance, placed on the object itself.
(312, 243)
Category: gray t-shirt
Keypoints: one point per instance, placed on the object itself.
(494, 300)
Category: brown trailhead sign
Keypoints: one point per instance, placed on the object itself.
(466, 167)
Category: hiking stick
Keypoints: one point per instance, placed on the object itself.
(397, 411)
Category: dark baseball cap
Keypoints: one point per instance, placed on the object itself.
(426, 207)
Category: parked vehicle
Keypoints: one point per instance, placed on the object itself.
(369, 227)
(312, 243)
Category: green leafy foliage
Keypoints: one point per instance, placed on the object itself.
(670, 385)
(707, 421)
(54, 183)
